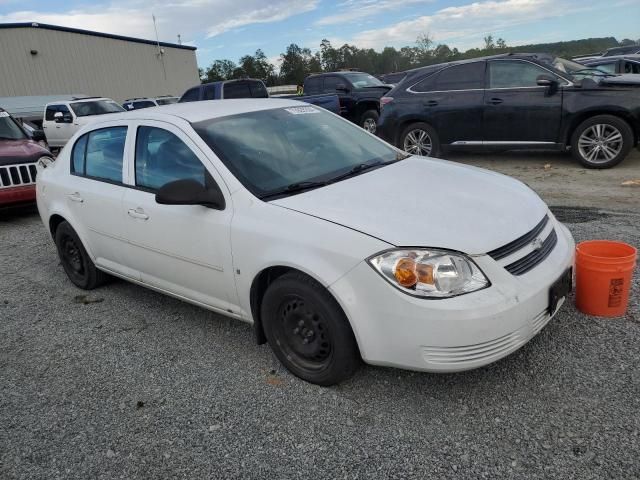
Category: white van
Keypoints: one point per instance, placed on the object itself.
(63, 119)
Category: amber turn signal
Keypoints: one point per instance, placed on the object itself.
(405, 272)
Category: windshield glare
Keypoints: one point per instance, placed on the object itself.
(572, 68)
(271, 149)
(9, 129)
(97, 107)
(362, 80)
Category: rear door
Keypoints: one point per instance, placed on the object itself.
(516, 109)
(451, 102)
(94, 194)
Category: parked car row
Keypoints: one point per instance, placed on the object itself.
(514, 101)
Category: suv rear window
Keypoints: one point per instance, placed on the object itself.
(468, 76)
(245, 89)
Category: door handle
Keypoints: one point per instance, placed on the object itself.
(138, 213)
(430, 103)
(75, 197)
(495, 101)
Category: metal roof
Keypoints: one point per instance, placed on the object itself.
(94, 34)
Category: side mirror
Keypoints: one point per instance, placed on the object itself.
(190, 192)
(57, 117)
(341, 87)
(60, 117)
(38, 135)
(549, 82)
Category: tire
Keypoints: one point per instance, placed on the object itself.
(308, 331)
(369, 121)
(75, 260)
(420, 139)
(602, 141)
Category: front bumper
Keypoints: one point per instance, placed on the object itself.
(455, 334)
(17, 195)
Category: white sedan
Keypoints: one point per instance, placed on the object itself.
(335, 245)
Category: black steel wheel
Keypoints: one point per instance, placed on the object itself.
(308, 330)
(75, 260)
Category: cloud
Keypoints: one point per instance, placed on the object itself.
(357, 9)
(186, 17)
(464, 23)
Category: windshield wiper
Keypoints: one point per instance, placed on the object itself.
(294, 188)
(362, 167)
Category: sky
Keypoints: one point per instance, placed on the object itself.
(232, 28)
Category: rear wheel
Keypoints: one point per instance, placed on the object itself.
(369, 121)
(308, 331)
(602, 141)
(420, 139)
(75, 260)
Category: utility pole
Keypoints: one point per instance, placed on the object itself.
(160, 50)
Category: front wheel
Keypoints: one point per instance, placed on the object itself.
(602, 141)
(308, 331)
(420, 139)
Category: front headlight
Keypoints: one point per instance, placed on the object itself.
(429, 273)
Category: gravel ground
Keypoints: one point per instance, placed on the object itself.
(127, 383)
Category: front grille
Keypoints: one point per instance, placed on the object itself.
(518, 243)
(529, 261)
(17, 175)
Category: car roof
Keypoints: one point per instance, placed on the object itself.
(204, 110)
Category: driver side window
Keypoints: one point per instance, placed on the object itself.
(161, 157)
(514, 74)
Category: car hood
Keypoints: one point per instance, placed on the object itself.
(623, 79)
(20, 151)
(424, 202)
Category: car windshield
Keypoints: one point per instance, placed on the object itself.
(271, 150)
(363, 80)
(9, 129)
(166, 101)
(96, 107)
(575, 69)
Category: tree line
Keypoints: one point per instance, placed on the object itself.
(298, 62)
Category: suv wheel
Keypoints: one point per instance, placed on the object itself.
(369, 121)
(602, 141)
(420, 139)
(75, 260)
(308, 331)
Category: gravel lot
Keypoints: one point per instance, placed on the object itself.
(127, 383)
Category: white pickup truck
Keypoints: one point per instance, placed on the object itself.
(63, 119)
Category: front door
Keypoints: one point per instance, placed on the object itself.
(516, 109)
(58, 130)
(182, 249)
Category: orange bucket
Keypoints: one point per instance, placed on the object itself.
(603, 277)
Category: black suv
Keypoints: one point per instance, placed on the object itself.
(359, 94)
(514, 101)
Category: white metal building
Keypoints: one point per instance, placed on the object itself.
(39, 59)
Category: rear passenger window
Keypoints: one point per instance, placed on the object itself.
(237, 90)
(161, 157)
(99, 154)
(209, 92)
(191, 95)
(258, 90)
(468, 76)
(313, 86)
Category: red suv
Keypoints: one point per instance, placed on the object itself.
(19, 155)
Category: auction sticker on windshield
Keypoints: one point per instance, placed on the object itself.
(301, 110)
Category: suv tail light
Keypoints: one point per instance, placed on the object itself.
(384, 101)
